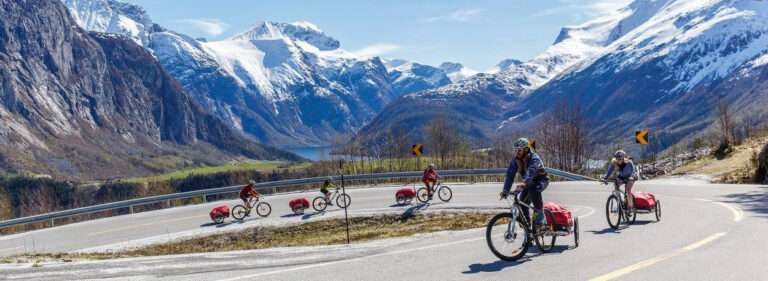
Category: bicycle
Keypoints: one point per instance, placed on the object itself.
(515, 228)
(443, 192)
(263, 209)
(616, 208)
(343, 200)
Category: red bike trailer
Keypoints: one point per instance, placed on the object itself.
(298, 205)
(219, 214)
(404, 196)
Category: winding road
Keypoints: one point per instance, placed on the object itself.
(707, 232)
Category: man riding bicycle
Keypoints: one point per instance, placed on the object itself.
(430, 177)
(328, 183)
(626, 174)
(531, 169)
(249, 191)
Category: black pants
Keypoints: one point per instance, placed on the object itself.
(532, 194)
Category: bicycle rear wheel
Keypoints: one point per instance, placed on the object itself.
(542, 234)
(319, 204)
(263, 209)
(613, 211)
(444, 193)
(657, 210)
(507, 239)
(576, 231)
(239, 212)
(422, 195)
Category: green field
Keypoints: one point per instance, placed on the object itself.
(248, 165)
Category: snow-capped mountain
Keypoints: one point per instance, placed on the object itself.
(656, 64)
(457, 72)
(410, 77)
(80, 104)
(288, 84)
(504, 65)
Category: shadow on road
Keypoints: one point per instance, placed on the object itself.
(606, 230)
(412, 210)
(753, 201)
(496, 266)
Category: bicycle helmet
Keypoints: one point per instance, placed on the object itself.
(521, 143)
(431, 165)
(620, 154)
(252, 182)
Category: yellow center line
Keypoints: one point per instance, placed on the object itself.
(140, 225)
(649, 262)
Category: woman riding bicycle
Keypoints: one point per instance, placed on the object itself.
(430, 177)
(626, 174)
(324, 189)
(249, 191)
(531, 169)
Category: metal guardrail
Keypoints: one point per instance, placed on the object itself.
(260, 186)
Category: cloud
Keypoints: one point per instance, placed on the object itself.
(212, 27)
(377, 50)
(463, 15)
(586, 8)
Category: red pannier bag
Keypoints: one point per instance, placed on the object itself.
(405, 192)
(299, 202)
(644, 200)
(562, 215)
(219, 211)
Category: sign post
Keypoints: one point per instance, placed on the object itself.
(344, 195)
(417, 150)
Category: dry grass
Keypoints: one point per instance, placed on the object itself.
(738, 167)
(324, 232)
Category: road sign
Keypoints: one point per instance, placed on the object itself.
(641, 137)
(417, 149)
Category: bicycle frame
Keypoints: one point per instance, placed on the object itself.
(619, 193)
(516, 210)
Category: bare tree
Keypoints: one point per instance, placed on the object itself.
(563, 137)
(725, 122)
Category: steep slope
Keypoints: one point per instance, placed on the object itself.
(672, 70)
(286, 84)
(80, 104)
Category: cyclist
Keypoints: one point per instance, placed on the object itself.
(430, 176)
(328, 183)
(528, 164)
(249, 191)
(626, 174)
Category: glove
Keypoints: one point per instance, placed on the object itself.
(504, 195)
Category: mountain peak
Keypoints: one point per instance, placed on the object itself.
(302, 31)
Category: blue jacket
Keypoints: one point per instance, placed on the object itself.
(534, 164)
(627, 171)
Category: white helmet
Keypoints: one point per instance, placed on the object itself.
(620, 154)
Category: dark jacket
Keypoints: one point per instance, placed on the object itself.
(532, 174)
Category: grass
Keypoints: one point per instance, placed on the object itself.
(737, 167)
(323, 232)
(247, 165)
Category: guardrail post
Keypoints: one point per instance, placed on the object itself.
(168, 203)
(52, 222)
(274, 189)
(205, 198)
(130, 209)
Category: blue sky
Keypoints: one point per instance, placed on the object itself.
(477, 33)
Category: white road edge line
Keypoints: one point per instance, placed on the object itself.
(738, 214)
(649, 262)
(11, 249)
(251, 276)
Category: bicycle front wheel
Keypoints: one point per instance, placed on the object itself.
(343, 201)
(444, 193)
(263, 209)
(507, 239)
(613, 212)
(239, 212)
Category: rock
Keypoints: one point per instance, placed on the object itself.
(761, 175)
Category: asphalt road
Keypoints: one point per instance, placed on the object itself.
(707, 232)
